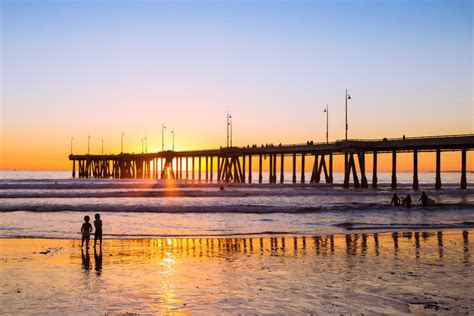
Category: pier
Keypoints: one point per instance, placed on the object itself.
(236, 164)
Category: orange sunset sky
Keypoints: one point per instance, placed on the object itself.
(73, 69)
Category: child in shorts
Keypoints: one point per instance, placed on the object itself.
(86, 231)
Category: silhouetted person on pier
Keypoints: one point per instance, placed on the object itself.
(395, 200)
(98, 230)
(86, 231)
(407, 201)
(424, 199)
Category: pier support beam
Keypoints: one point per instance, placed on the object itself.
(212, 169)
(73, 169)
(270, 170)
(346, 171)
(207, 169)
(415, 169)
(199, 169)
(243, 168)
(250, 168)
(331, 179)
(274, 168)
(192, 169)
(463, 169)
(294, 169)
(282, 167)
(374, 171)
(219, 173)
(260, 178)
(363, 180)
(438, 169)
(302, 167)
(394, 169)
(187, 168)
(352, 166)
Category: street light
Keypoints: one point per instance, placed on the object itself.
(88, 143)
(163, 127)
(72, 139)
(142, 144)
(229, 124)
(326, 110)
(122, 135)
(102, 146)
(348, 97)
(172, 132)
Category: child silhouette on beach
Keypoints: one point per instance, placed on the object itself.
(86, 231)
(98, 229)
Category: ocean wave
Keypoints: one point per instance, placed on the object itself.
(243, 208)
(403, 226)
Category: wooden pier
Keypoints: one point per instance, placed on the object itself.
(234, 164)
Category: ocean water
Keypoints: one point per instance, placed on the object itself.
(49, 204)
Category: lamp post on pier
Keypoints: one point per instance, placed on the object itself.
(88, 143)
(102, 146)
(348, 97)
(163, 127)
(142, 144)
(121, 148)
(72, 139)
(172, 132)
(229, 117)
(326, 110)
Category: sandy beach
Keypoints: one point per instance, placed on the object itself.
(388, 273)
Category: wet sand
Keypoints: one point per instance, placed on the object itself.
(386, 273)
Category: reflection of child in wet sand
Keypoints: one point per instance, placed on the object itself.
(98, 229)
(86, 231)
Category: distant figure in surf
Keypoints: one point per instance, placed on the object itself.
(86, 231)
(424, 199)
(395, 200)
(407, 201)
(221, 188)
(98, 229)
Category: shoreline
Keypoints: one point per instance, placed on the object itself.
(364, 230)
(372, 273)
